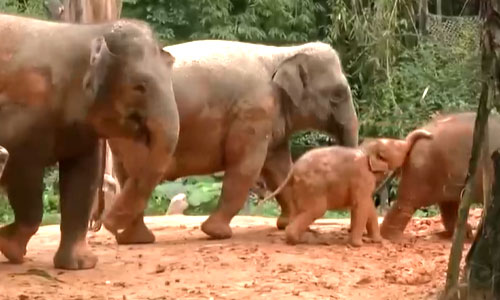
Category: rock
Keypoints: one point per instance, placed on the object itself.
(177, 205)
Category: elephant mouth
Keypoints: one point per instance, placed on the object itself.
(142, 133)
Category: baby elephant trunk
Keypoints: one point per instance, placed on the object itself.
(4, 157)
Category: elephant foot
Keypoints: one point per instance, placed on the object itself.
(216, 228)
(115, 221)
(376, 238)
(292, 235)
(138, 233)
(355, 242)
(13, 241)
(282, 222)
(75, 257)
(448, 234)
(393, 235)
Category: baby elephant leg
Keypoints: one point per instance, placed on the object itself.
(363, 215)
(303, 217)
(372, 224)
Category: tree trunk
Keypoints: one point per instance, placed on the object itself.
(422, 16)
(483, 259)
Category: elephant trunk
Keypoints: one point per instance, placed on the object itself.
(162, 126)
(347, 120)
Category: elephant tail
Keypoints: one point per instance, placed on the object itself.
(415, 135)
(281, 186)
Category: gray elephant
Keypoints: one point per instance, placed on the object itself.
(238, 104)
(62, 86)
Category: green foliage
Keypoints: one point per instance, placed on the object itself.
(32, 8)
(450, 76)
(202, 193)
(276, 21)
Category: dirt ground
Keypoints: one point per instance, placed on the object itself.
(255, 264)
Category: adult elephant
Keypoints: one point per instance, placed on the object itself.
(239, 103)
(85, 11)
(61, 87)
(435, 172)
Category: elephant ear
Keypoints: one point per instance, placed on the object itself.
(377, 165)
(100, 60)
(291, 75)
(167, 57)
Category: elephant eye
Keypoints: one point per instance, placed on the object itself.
(140, 88)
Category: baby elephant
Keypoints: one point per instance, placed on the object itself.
(339, 177)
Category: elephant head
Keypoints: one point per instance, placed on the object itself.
(129, 86)
(320, 96)
(390, 154)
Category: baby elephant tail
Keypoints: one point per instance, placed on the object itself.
(282, 185)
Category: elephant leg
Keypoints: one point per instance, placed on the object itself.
(449, 215)
(24, 183)
(78, 185)
(136, 233)
(300, 222)
(396, 219)
(245, 154)
(360, 214)
(275, 170)
(372, 225)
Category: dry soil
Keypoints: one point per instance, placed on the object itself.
(254, 264)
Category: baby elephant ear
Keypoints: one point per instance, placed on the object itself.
(377, 165)
(100, 60)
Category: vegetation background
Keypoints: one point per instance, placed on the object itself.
(388, 62)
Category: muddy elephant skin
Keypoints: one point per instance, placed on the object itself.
(61, 87)
(238, 104)
(435, 172)
(337, 177)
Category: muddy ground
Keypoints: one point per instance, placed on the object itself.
(254, 264)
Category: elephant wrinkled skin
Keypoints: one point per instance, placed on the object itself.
(238, 105)
(61, 87)
(435, 172)
(337, 177)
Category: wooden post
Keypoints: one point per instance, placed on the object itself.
(439, 10)
(422, 21)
